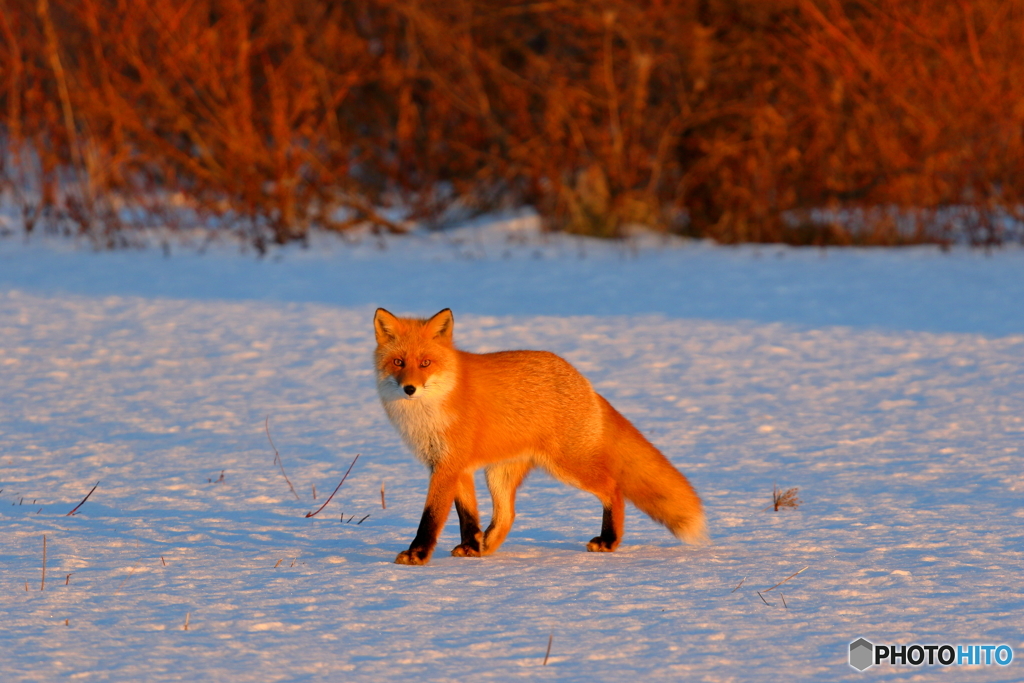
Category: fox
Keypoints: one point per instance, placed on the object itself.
(510, 412)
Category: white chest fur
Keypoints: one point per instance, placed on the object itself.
(421, 420)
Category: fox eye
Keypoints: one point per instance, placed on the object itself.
(399, 362)
(424, 363)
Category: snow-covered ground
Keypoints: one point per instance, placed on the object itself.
(888, 385)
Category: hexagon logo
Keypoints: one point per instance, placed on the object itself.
(862, 654)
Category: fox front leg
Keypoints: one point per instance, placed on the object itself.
(469, 518)
(439, 502)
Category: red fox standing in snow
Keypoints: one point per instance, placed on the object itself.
(509, 412)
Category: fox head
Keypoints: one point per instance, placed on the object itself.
(415, 359)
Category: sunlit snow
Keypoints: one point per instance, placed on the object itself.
(888, 385)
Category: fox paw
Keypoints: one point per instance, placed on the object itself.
(599, 545)
(412, 556)
(465, 550)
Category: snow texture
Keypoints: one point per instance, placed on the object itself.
(888, 385)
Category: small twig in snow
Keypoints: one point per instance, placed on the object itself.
(738, 585)
(382, 503)
(277, 459)
(788, 578)
(783, 600)
(362, 520)
(762, 598)
(73, 511)
(551, 637)
(313, 514)
(187, 615)
(132, 571)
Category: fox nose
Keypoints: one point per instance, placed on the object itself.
(409, 389)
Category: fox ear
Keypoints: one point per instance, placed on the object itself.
(384, 326)
(441, 325)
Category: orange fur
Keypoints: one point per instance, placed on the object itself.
(509, 412)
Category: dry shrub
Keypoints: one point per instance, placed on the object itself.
(907, 104)
(784, 499)
(730, 119)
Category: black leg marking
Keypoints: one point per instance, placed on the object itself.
(469, 529)
(609, 538)
(422, 546)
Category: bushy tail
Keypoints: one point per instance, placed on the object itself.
(651, 483)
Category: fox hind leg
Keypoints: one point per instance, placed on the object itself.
(469, 518)
(612, 524)
(502, 480)
(602, 484)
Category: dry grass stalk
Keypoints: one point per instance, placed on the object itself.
(53, 55)
(551, 637)
(187, 615)
(277, 459)
(125, 579)
(313, 514)
(799, 571)
(383, 505)
(762, 598)
(738, 585)
(163, 561)
(67, 579)
(75, 509)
